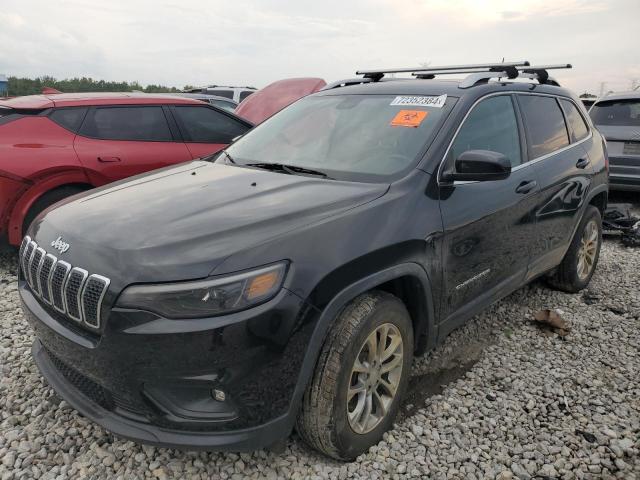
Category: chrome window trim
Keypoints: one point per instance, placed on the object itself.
(37, 286)
(100, 299)
(49, 277)
(62, 288)
(85, 274)
(522, 165)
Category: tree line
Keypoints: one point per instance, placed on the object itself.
(31, 86)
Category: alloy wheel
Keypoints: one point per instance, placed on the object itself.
(588, 250)
(375, 378)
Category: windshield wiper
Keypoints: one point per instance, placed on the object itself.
(290, 169)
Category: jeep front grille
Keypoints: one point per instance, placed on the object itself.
(70, 290)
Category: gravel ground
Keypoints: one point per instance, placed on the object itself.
(501, 398)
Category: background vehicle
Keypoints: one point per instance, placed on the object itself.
(225, 103)
(277, 95)
(54, 146)
(291, 281)
(237, 94)
(617, 117)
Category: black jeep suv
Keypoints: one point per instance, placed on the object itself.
(288, 281)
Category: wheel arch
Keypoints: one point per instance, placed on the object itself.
(30, 196)
(407, 278)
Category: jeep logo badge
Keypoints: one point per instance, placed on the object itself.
(60, 245)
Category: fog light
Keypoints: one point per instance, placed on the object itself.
(218, 395)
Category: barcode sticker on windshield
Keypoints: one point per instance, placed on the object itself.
(420, 101)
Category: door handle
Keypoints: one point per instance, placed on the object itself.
(582, 163)
(526, 186)
(108, 159)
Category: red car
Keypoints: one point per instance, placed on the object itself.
(55, 145)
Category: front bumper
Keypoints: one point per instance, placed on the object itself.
(152, 380)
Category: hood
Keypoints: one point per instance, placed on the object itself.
(620, 133)
(180, 222)
(259, 106)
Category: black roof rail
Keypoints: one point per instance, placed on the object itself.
(377, 74)
(346, 83)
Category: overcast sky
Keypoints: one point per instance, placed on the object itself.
(179, 42)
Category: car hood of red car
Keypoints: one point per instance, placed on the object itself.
(259, 106)
(189, 218)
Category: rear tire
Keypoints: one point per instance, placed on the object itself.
(355, 392)
(48, 199)
(579, 263)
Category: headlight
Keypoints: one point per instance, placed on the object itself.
(206, 298)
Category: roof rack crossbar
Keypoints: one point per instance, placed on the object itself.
(377, 74)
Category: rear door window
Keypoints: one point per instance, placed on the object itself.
(206, 125)
(491, 125)
(576, 123)
(127, 123)
(544, 122)
(616, 112)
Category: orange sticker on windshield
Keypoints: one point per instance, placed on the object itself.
(409, 118)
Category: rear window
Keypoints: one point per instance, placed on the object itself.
(616, 112)
(69, 118)
(545, 125)
(574, 119)
(127, 123)
(220, 93)
(350, 137)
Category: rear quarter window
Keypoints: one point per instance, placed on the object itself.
(544, 123)
(206, 125)
(245, 94)
(576, 123)
(69, 118)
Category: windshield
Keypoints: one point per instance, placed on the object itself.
(347, 137)
(617, 112)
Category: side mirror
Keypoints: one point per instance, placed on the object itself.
(479, 165)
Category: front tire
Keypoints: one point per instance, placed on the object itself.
(360, 378)
(580, 261)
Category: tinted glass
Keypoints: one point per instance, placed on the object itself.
(358, 137)
(575, 120)
(616, 112)
(220, 93)
(228, 106)
(545, 124)
(69, 118)
(127, 123)
(245, 94)
(491, 125)
(205, 125)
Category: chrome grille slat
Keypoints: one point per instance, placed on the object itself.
(70, 290)
(28, 255)
(57, 285)
(34, 269)
(94, 290)
(46, 272)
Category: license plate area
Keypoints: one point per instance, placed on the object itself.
(631, 148)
